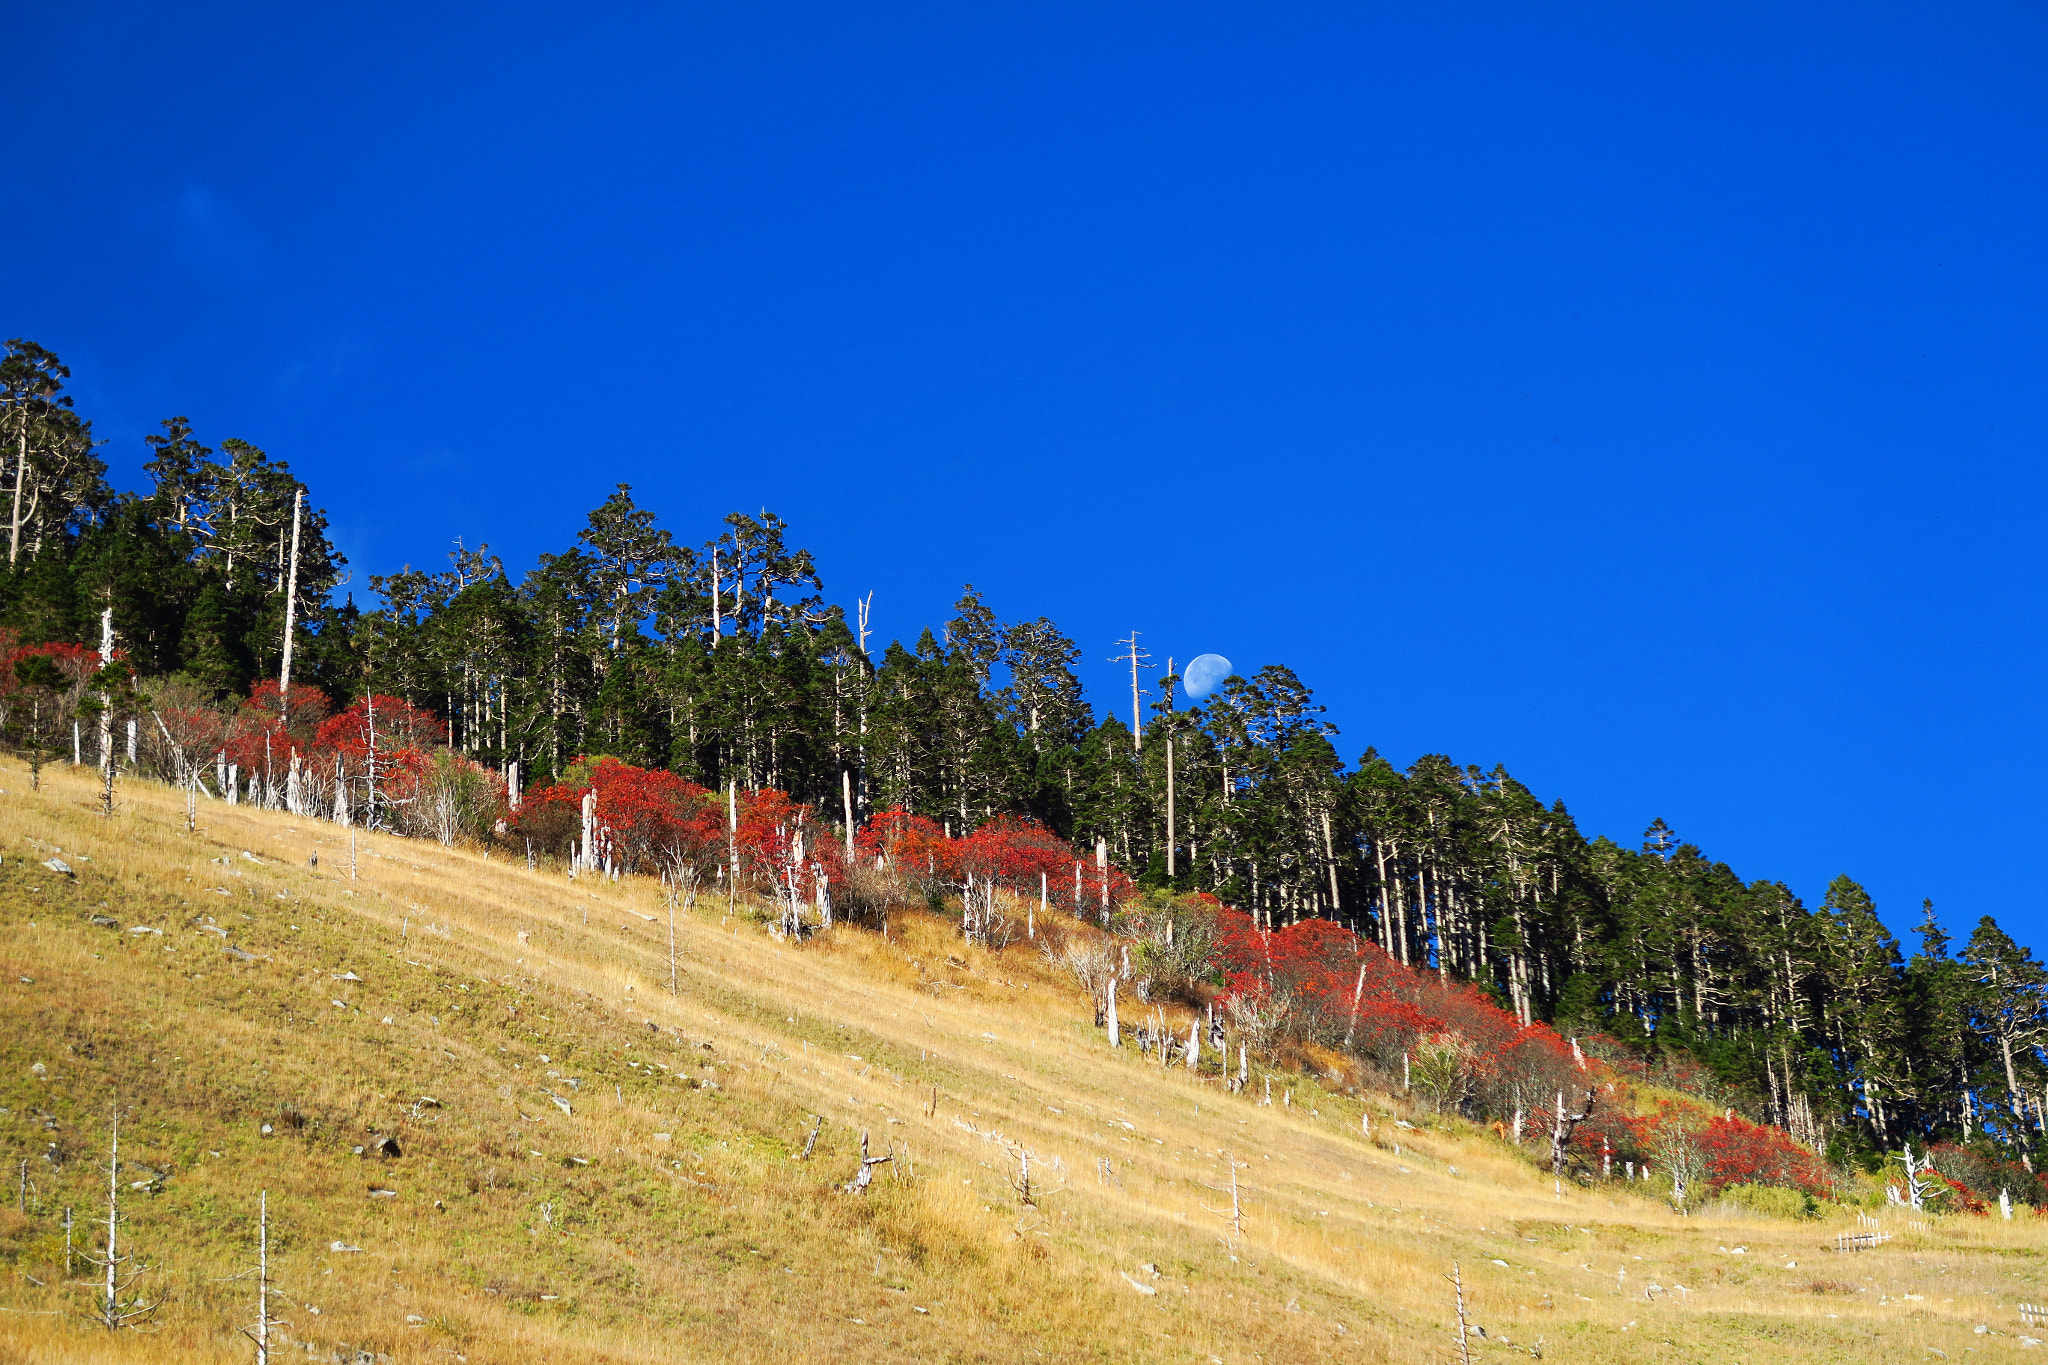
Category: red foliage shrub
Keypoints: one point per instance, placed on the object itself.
(911, 844)
(1738, 1152)
(648, 814)
(1344, 987)
(1014, 852)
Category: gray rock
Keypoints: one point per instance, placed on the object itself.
(58, 865)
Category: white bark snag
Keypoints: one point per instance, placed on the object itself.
(846, 800)
(590, 828)
(1330, 860)
(1464, 1337)
(1133, 656)
(291, 617)
(1357, 995)
(1170, 850)
(732, 835)
(20, 478)
(1195, 1043)
(1562, 1128)
(1109, 1010)
(859, 1183)
(106, 702)
(261, 1334)
(1236, 1211)
(1102, 874)
(113, 1214)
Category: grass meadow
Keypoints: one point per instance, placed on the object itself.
(595, 1168)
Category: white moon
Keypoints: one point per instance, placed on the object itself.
(1205, 674)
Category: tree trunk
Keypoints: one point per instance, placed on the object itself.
(291, 607)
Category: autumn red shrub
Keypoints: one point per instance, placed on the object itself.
(1341, 988)
(550, 818)
(1015, 852)
(911, 845)
(404, 737)
(647, 815)
(1739, 1152)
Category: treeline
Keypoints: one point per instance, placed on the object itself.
(723, 662)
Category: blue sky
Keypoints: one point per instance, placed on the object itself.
(1648, 398)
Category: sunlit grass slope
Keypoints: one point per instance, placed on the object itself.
(448, 1000)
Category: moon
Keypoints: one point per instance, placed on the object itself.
(1205, 674)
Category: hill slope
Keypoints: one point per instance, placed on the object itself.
(661, 1210)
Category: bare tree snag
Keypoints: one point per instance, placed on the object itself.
(866, 1173)
(117, 1306)
(1562, 1127)
(291, 617)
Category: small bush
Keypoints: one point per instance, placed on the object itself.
(1771, 1201)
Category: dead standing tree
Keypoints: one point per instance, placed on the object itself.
(117, 1305)
(260, 1332)
(1236, 1214)
(866, 1173)
(1463, 1336)
(1561, 1129)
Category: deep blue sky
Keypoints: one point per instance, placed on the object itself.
(1645, 397)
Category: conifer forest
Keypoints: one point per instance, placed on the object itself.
(672, 685)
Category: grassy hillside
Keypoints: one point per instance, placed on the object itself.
(444, 1000)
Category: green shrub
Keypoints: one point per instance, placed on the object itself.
(1772, 1201)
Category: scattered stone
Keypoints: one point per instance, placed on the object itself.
(58, 865)
(560, 1103)
(385, 1145)
(1138, 1285)
(145, 929)
(103, 921)
(348, 976)
(341, 1246)
(379, 1192)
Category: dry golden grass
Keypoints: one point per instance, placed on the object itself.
(516, 1232)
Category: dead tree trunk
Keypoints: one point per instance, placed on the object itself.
(291, 618)
(866, 1173)
(1561, 1129)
